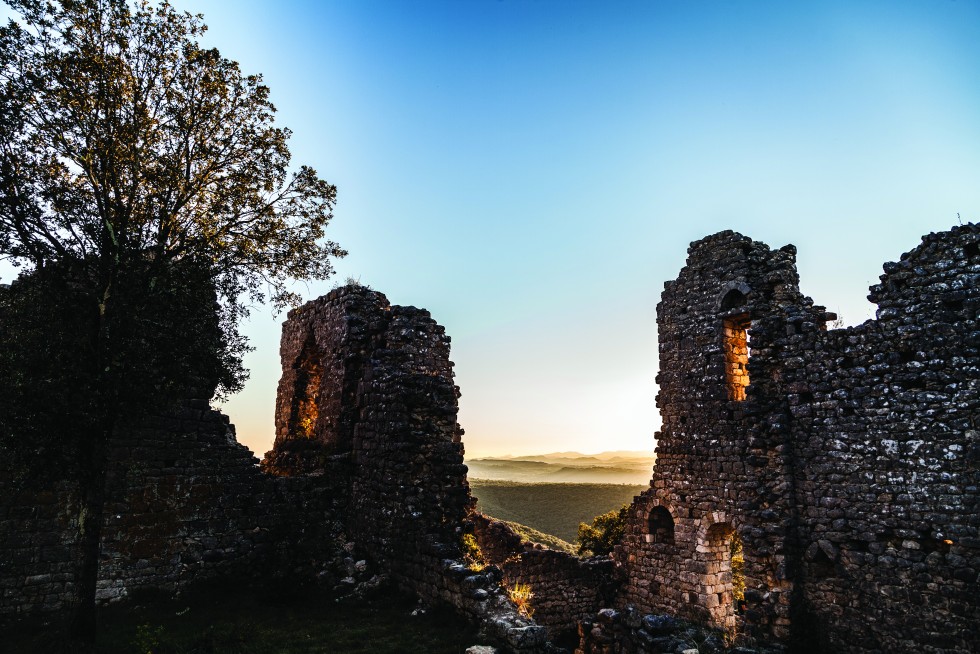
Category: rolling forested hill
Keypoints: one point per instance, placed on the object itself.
(554, 508)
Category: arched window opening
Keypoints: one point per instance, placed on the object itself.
(736, 347)
(738, 573)
(733, 299)
(661, 526)
(309, 374)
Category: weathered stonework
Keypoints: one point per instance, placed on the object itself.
(372, 381)
(845, 461)
(847, 465)
(185, 502)
(366, 481)
(363, 378)
(567, 588)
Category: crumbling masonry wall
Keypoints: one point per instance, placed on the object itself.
(185, 502)
(374, 382)
(847, 465)
(366, 481)
(384, 395)
(885, 420)
(846, 461)
(567, 588)
(710, 476)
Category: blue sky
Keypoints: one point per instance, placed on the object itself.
(532, 172)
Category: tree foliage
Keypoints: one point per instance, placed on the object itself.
(147, 192)
(605, 532)
(123, 140)
(146, 168)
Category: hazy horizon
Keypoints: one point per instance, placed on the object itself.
(567, 452)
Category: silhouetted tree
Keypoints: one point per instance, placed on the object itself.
(605, 532)
(141, 175)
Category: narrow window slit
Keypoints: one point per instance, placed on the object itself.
(736, 348)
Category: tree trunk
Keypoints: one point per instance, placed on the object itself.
(83, 627)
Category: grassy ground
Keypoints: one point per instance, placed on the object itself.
(277, 621)
(555, 509)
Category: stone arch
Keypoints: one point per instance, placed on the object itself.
(714, 554)
(712, 518)
(733, 297)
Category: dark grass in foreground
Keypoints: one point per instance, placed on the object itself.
(555, 509)
(273, 621)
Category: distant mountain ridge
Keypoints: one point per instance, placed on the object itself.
(602, 456)
(618, 467)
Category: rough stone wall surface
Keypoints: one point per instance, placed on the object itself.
(192, 503)
(567, 588)
(626, 631)
(479, 596)
(847, 466)
(324, 349)
(392, 400)
(367, 462)
(185, 502)
(385, 396)
(497, 541)
(37, 546)
(711, 476)
(844, 461)
(886, 424)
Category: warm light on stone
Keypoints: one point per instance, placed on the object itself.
(736, 348)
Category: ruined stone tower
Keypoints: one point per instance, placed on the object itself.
(719, 468)
(372, 384)
(845, 461)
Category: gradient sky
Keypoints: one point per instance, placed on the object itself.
(532, 172)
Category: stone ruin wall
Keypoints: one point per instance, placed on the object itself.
(845, 460)
(185, 502)
(567, 589)
(847, 465)
(36, 548)
(885, 419)
(367, 464)
(708, 475)
(374, 382)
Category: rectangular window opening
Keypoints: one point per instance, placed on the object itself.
(736, 348)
